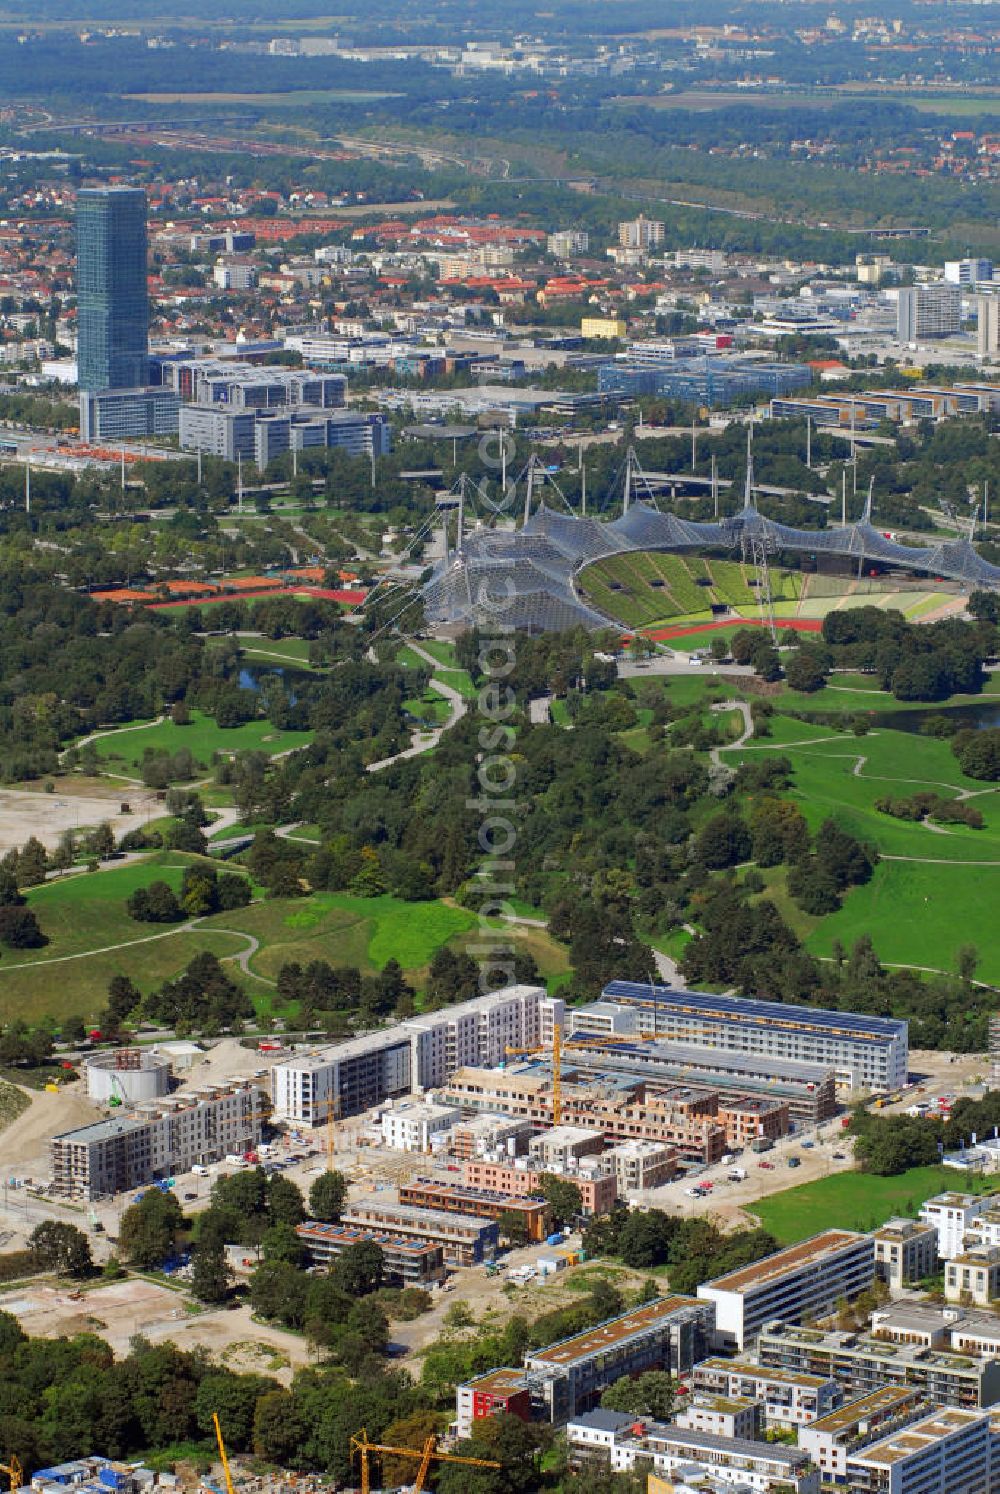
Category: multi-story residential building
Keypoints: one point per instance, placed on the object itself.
(570, 1376)
(804, 1280)
(234, 274)
(722, 1416)
(928, 311)
(866, 1053)
(832, 1440)
(637, 1165)
(407, 1262)
(973, 1276)
(482, 1203)
(603, 327)
(121, 414)
(641, 233)
(946, 1452)
(712, 260)
(158, 1139)
(491, 1138)
(598, 1191)
(862, 1364)
(481, 1031)
(500, 1391)
(564, 1147)
(686, 1454)
(112, 296)
(905, 1252)
(466, 1239)
(635, 1111)
(789, 1398)
(568, 242)
(412, 1055)
(953, 1216)
(808, 1090)
(409, 1126)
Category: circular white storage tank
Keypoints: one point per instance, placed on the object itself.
(127, 1074)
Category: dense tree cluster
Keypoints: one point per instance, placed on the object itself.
(695, 1250)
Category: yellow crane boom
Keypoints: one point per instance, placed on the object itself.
(428, 1454)
(14, 1472)
(222, 1453)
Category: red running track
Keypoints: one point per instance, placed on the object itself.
(797, 625)
(322, 593)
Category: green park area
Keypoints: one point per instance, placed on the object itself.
(91, 938)
(935, 886)
(123, 750)
(851, 1200)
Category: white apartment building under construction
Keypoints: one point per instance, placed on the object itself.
(158, 1139)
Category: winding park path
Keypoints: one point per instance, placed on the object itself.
(745, 735)
(112, 731)
(423, 741)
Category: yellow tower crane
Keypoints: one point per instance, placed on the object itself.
(557, 1049)
(14, 1472)
(428, 1454)
(222, 1453)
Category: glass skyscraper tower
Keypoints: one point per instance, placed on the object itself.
(112, 297)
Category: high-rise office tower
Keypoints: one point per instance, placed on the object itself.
(112, 297)
(988, 326)
(933, 310)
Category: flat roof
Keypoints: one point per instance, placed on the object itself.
(763, 1372)
(412, 1214)
(614, 1331)
(808, 1253)
(342, 1234)
(919, 1436)
(103, 1130)
(878, 1401)
(739, 1447)
(475, 1195)
(773, 1013)
(499, 1380)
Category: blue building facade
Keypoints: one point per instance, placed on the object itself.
(113, 299)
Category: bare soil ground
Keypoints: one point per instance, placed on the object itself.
(24, 813)
(122, 1309)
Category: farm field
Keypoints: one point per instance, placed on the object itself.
(849, 1200)
(125, 748)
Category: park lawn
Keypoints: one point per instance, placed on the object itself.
(345, 930)
(231, 832)
(920, 915)
(431, 707)
(294, 651)
(86, 911)
(409, 659)
(439, 649)
(849, 1200)
(78, 987)
(559, 711)
(458, 679)
(202, 738)
(828, 782)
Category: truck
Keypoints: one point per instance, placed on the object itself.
(762, 1144)
(737, 1175)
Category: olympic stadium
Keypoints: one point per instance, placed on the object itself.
(529, 577)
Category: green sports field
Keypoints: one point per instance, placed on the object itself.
(849, 1200)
